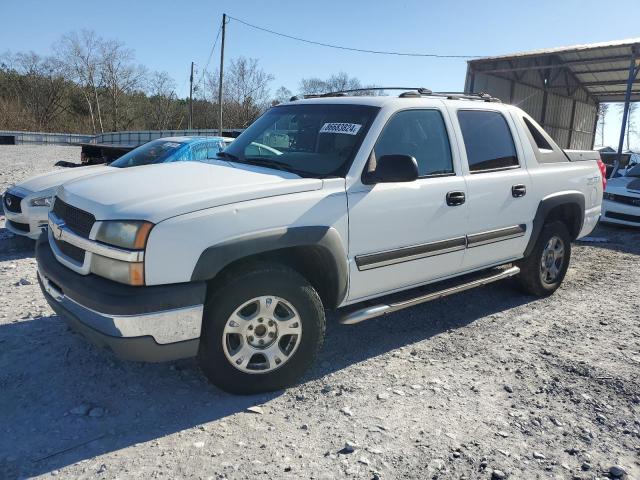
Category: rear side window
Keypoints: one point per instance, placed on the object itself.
(537, 135)
(420, 134)
(487, 140)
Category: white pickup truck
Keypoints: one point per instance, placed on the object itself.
(352, 199)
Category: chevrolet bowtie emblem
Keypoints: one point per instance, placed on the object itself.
(56, 229)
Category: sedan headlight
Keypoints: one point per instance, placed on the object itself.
(124, 234)
(44, 201)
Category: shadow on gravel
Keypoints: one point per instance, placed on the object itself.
(13, 247)
(619, 238)
(63, 401)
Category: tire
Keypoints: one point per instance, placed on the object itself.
(541, 275)
(266, 303)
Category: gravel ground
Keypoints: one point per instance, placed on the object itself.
(486, 384)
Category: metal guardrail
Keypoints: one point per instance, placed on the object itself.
(14, 137)
(143, 136)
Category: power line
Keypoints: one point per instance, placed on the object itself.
(340, 47)
(201, 81)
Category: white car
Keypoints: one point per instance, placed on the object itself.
(621, 200)
(235, 260)
(27, 204)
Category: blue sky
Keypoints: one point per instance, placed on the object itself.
(168, 35)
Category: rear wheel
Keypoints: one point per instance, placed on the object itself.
(261, 330)
(542, 272)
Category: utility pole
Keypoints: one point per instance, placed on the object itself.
(224, 23)
(191, 98)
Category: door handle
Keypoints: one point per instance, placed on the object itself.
(518, 191)
(455, 198)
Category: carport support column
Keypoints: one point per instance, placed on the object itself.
(633, 72)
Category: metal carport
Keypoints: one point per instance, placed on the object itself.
(562, 87)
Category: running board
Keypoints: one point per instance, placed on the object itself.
(374, 311)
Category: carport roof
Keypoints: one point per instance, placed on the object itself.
(602, 69)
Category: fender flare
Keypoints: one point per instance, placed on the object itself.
(216, 257)
(549, 203)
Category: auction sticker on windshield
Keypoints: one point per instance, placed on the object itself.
(345, 128)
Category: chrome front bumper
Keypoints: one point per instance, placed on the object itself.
(168, 326)
(151, 323)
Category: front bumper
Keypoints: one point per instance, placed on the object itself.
(152, 324)
(620, 213)
(29, 223)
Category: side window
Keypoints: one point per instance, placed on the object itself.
(420, 134)
(487, 140)
(537, 135)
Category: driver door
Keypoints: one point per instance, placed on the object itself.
(406, 234)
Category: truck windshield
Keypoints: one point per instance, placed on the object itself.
(312, 140)
(156, 151)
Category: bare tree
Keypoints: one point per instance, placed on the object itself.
(603, 108)
(41, 87)
(335, 83)
(120, 77)
(80, 54)
(631, 120)
(162, 99)
(313, 86)
(246, 91)
(283, 94)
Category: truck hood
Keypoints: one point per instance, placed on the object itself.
(158, 192)
(623, 185)
(58, 177)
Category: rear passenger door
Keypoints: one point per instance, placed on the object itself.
(499, 204)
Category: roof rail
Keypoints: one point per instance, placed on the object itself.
(342, 93)
(410, 92)
(485, 97)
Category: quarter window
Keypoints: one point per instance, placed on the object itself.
(537, 135)
(420, 134)
(487, 140)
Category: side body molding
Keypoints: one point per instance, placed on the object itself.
(322, 239)
(575, 199)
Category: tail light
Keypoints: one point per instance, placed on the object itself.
(603, 172)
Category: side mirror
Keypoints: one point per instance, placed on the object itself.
(393, 168)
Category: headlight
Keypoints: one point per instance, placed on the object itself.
(124, 234)
(127, 234)
(42, 201)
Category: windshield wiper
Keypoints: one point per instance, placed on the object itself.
(230, 156)
(270, 163)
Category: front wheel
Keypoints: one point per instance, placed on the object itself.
(542, 272)
(262, 329)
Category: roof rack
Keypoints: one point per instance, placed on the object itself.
(409, 92)
(342, 93)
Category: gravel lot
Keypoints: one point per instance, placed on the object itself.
(489, 383)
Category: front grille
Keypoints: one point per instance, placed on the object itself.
(71, 251)
(12, 203)
(23, 227)
(623, 216)
(75, 219)
(625, 199)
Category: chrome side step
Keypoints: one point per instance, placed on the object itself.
(374, 311)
